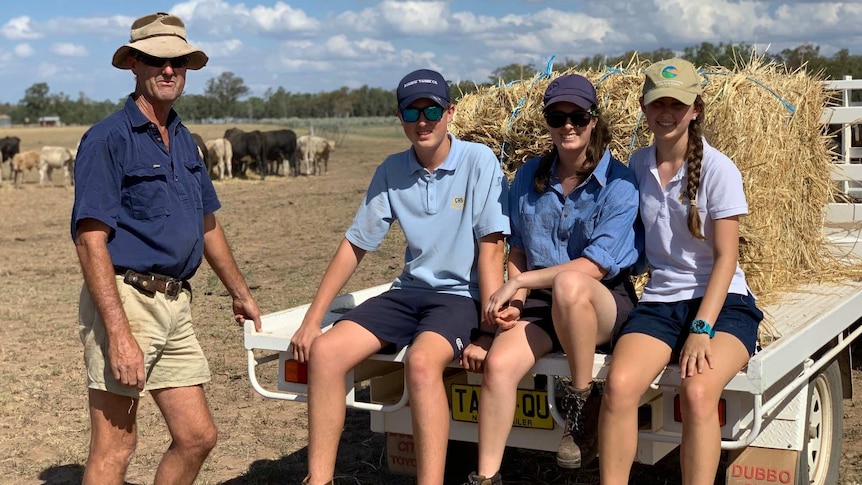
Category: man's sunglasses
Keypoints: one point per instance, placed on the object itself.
(557, 119)
(432, 113)
(176, 62)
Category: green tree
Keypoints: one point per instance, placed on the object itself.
(512, 72)
(225, 91)
(36, 101)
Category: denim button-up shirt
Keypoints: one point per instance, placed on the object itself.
(598, 220)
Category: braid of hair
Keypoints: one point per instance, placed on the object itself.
(694, 157)
(543, 172)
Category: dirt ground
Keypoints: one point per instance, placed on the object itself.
(283, 231)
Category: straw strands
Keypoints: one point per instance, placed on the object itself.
(763, 117)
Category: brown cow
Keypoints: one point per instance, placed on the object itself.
(21, 161)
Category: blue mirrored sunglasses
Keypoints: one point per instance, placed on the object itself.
(432, 113)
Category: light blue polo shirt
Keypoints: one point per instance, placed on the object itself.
(680, 265)
(443, 214)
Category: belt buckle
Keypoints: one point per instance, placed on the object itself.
(173, 289)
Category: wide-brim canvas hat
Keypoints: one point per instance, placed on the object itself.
(159, 35)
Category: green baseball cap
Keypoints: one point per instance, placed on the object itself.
(673, 78)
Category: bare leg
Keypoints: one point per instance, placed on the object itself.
(701, 435)
(113, 437)
(511, 356)
(584, 313)
(333, 354)
(428, 356)
(193, 433)
(637, 359)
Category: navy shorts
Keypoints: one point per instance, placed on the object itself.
(398, 316)
(670, 322)
(537, 310)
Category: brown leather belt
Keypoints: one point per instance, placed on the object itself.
(149, 284)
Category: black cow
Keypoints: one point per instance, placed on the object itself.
(9, 146)
(280, 146)
(202, 146)
(246, 144)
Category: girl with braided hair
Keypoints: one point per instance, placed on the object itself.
(696, 309)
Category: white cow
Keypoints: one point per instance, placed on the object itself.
(315, 151)
(220, 157)
(52, 157)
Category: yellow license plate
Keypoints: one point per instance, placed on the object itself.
(531, 410)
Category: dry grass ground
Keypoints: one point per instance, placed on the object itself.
(283, 231)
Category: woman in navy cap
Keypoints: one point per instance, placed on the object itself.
(574, 244)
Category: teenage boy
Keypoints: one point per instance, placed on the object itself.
(449, 197)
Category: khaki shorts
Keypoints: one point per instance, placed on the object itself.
(172, 354)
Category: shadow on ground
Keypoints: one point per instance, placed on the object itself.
(64, 475)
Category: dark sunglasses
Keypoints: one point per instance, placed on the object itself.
(432, 113)
(176, 62)
(557, 119)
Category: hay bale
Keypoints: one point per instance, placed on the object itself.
(763, 117)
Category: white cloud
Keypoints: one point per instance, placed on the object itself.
(416, 18)
(66, 49)
(19, 28)
(47, 70)
(281, 17)
(24, 50)
(221, 49)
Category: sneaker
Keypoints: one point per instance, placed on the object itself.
(474, 479)
(579, 443)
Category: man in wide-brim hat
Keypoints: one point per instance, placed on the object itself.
(160, 35)
(142, 221)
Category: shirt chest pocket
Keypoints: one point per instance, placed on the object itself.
(192, 182)
(146, 192)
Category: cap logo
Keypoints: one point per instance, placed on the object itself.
(417, 81)
(669, 72)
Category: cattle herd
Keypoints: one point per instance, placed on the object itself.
(45, 160)
(263, 152)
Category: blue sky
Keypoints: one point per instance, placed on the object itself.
(312, 46)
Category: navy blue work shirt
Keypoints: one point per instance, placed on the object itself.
(153, 200)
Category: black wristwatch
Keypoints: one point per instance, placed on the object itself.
(475, 333)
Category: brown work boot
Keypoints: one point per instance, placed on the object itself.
(580, 442)
(474, 479)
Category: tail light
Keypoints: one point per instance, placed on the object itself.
(295, 371)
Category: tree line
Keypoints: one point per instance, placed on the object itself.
(226, 96)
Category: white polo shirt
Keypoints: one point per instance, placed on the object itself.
(442, 213)
(680, 264)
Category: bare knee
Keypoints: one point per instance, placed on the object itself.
(621, 391)
(500, 370)
(324, 358)
(697, 402)
(422, 370)
(199, 441)
(570, 288)
(111, 455)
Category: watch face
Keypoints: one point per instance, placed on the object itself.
(699, 325)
